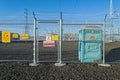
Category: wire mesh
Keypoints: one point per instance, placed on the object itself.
(47, 54)
(70, 39)
(17, 49)
(112, 42)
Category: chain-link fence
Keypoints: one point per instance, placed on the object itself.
(46, 29)
(17, 49)
(75, 39)
(70, 42)
(112, 39)
(72, 45)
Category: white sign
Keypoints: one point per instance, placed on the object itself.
(48, 37)
(48, 43)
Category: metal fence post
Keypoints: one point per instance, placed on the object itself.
(37, 47)
(104, 39)
(60, 42)
(34, 43)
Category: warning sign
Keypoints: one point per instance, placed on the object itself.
(54, 37)
(25, 36)
(15, 36)
(48, 37)
(6, 37)
(48, 43)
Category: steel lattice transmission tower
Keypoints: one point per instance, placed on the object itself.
(111, 21)
(26, 21)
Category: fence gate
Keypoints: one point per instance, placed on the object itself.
(47, 37)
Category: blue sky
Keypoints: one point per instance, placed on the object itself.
(83, 7)
(46, 9)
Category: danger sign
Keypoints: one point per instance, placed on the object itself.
(6, 37)
(48, 37)
(48, 43)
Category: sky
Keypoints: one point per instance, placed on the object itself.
(50, 9)
(88, 8)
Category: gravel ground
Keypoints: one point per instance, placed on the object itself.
(48, 71)
(21, 71)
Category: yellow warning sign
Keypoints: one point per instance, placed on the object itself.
(15, 35)
(6, 37)
(25, 36)
(54, 37)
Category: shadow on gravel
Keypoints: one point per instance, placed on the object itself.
(113, 55)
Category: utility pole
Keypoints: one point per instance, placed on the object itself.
(26, 21)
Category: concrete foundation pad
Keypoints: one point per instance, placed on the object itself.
(59, 64)
(33, 64)
(104, 65)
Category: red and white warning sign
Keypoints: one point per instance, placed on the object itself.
(48, 43)
(48, 37)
